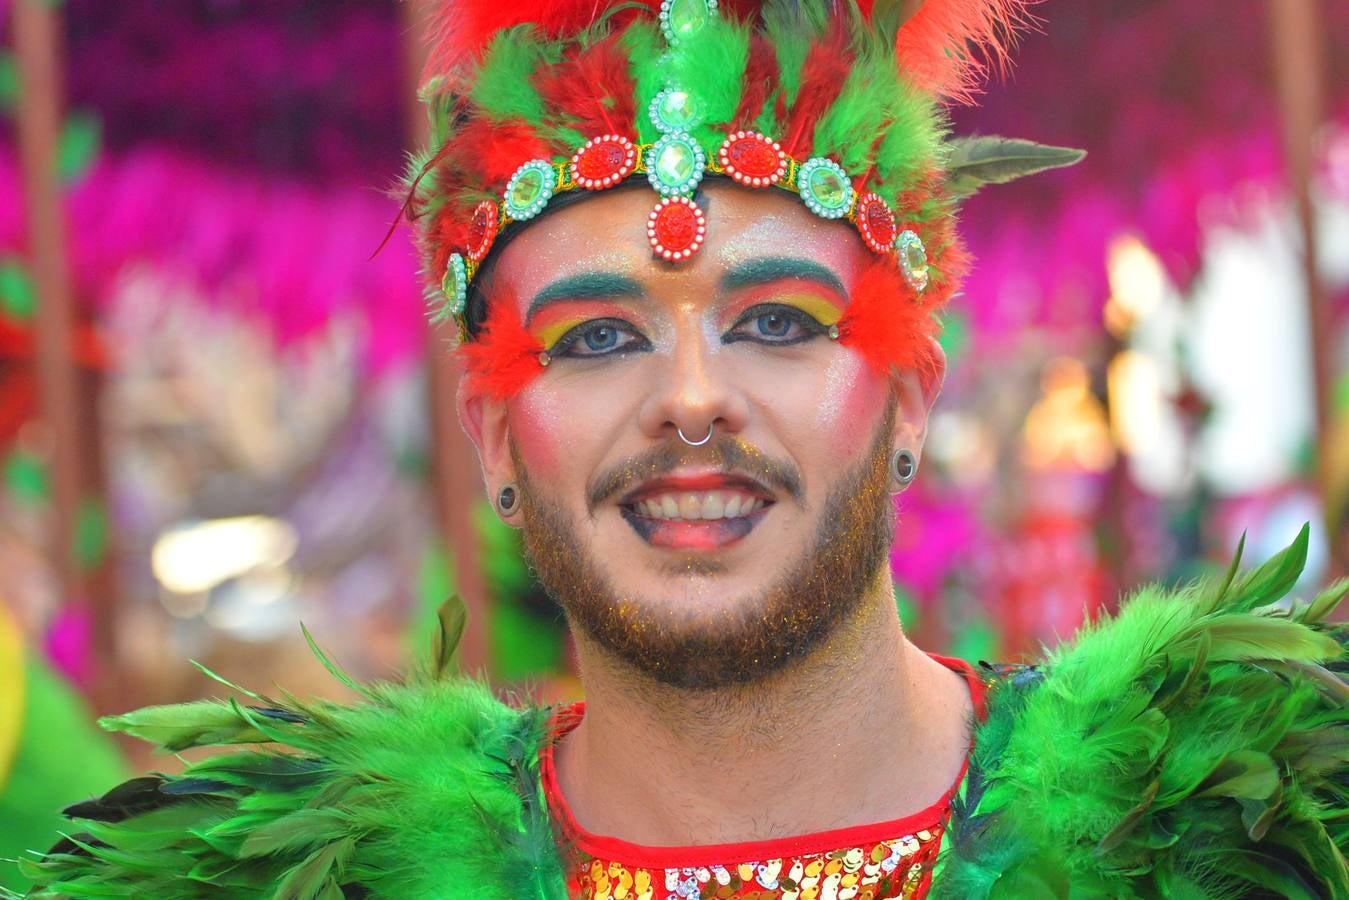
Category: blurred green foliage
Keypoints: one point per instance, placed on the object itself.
(18, 298)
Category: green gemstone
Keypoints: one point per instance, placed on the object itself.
(916, 258)
(828, 188)
(688, 17)
(674, 164)
(527, 189)
(677, 110)
(913, 260)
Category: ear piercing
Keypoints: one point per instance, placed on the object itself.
(508, 499)
(903, 467)
(685, 439)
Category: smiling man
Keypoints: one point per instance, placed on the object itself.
(695, 255)
(704, 480)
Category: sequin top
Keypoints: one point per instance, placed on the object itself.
(879, 861)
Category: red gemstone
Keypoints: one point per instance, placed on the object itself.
(603, 162)
(876, 221)
(676, 228)
(482, 230)
(752, 159)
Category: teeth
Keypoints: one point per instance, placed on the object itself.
(700, 506)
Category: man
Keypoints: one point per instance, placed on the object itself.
(694, 253)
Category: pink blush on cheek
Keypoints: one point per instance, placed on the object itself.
(539, 430)
(850, 402)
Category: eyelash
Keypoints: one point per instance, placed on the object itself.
(565, 346)
(809, 325)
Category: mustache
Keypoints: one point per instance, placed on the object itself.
(731, 455)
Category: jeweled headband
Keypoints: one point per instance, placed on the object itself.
(836, 101)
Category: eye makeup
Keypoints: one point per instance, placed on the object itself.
(817, 301)
(559, 317)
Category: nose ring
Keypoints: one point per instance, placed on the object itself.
(683, 438)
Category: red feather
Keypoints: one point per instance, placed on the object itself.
(476, 163)
(822, 75)
(761, 76)
(594, 87)
(505, 357)
(890, 323)
(886, 323)
(948, 46)
(459, 30)
(492, 152)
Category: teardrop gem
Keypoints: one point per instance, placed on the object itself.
(527, 189)
(530, 189)
(676, 164)
(913, 259)
(674, 110)
(828, 188)
(683, 19)
(825, 187)
(454, 288)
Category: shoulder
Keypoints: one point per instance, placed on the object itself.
(1194, 743)
(418, 790)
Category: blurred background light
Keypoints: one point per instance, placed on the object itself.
(1067, 427)
(194, 557)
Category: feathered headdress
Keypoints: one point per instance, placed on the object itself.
(838, 101)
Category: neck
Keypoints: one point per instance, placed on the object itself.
(813, 747)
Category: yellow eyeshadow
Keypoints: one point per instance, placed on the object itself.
(551, 333)
(818, 308)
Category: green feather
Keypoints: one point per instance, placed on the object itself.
(1185, 747)
(912, 139)
(180, 726)
(419, 790)
(712, 69)
(791, 26)
(502, 88)
(645, 47)
(319, 875)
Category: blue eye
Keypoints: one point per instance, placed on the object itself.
(774, 323)
(600, 337)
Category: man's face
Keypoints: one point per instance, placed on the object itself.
(699, 565)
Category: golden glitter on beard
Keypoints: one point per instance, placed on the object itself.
(752, 639)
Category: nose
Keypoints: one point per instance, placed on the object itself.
(695, 396)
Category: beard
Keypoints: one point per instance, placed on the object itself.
(757, 636)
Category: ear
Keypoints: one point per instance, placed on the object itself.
(916, 390)
(485, 420)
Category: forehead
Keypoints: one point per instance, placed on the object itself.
(606, 233)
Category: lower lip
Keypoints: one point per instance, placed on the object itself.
(679, 534)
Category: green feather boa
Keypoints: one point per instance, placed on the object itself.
(1195, 745)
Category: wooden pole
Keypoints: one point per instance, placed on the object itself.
(38, 48)
(455, 478)
(1298, 36)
